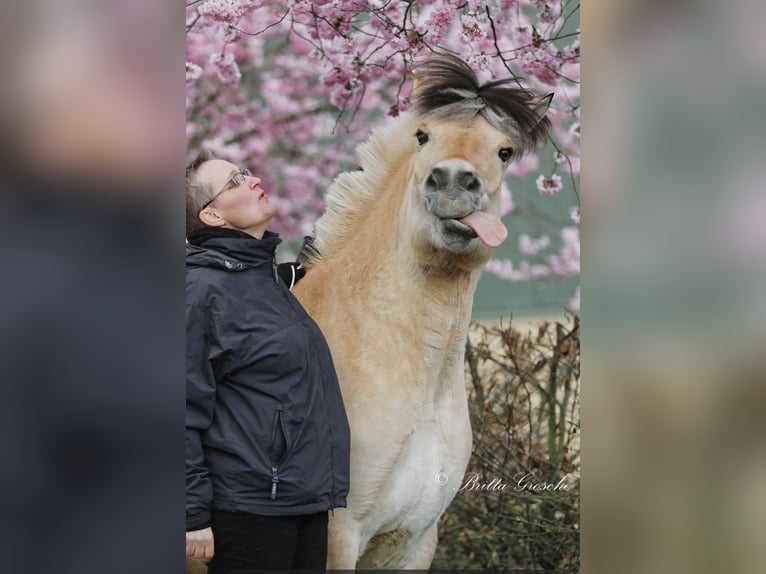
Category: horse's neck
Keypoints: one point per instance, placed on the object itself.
(384, 285)
(433, 298)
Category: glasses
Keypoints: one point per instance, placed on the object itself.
(234, 182)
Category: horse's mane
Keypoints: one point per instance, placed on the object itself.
(446, 88)
(449, 89)
(351, 192)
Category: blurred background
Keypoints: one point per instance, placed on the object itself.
(674, 287)
(91, 261)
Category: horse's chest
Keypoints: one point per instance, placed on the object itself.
(429, 468)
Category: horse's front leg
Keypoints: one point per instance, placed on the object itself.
(343, 543)
(422, 552)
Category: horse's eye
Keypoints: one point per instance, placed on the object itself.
(422, 137)
(505, 153)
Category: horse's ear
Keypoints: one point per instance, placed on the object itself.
(539, 105)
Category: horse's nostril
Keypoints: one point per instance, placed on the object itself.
(436, 179)
(468, 181)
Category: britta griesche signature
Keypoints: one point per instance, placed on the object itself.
(522, 482)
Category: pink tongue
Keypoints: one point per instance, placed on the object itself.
(489, 228)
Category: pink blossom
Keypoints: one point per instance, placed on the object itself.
(480, 61)
(506, 200)
(225, 11)
(399, 42)
(472, 31)
(530, 247)
(339, 96)
(574, 129)
(226, 68)
(549, 185)
(193, 72)
(575, 165)
(542, 63)
(335, 76)
(574, 213)
(504, 269)
(526, 164)
(438, 22)
(567, 261)
(517, 24)
(571, 236)
(571, 70)
(570, 162)
(468, 21)
(572, 52)
(547, 11)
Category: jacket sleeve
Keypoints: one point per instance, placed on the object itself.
(200, 404)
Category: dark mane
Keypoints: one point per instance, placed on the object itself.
(448, 88)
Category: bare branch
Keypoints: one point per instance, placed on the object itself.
(497, 48)
(259, 32)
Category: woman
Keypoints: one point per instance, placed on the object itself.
(267, 438)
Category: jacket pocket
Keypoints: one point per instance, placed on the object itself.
(278, 449)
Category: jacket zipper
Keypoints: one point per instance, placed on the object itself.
(332, 446)
(278, 425)
(274, 267)
(274, 482)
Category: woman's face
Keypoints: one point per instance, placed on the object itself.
(239, 201)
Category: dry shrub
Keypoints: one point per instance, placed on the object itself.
(524, 405)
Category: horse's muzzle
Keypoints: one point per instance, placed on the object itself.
(453, 189)
(458, 228)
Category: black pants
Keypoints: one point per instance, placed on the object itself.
(249, 542)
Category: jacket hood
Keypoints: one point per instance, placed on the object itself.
(233, 253)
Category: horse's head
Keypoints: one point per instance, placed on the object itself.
(433, 176)
(465, 137)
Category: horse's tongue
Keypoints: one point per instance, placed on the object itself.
(489, 228)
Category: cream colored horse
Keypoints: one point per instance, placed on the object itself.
(400, 249)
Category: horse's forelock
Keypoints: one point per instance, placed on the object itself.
(447, 88)
(510, 110)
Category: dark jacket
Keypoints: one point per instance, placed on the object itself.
(266, 429)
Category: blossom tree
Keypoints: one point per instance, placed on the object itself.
(289, 88)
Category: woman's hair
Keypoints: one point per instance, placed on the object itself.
(197, 193)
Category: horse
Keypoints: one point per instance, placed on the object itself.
(391, 275)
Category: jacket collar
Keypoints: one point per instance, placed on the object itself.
(231, 249)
